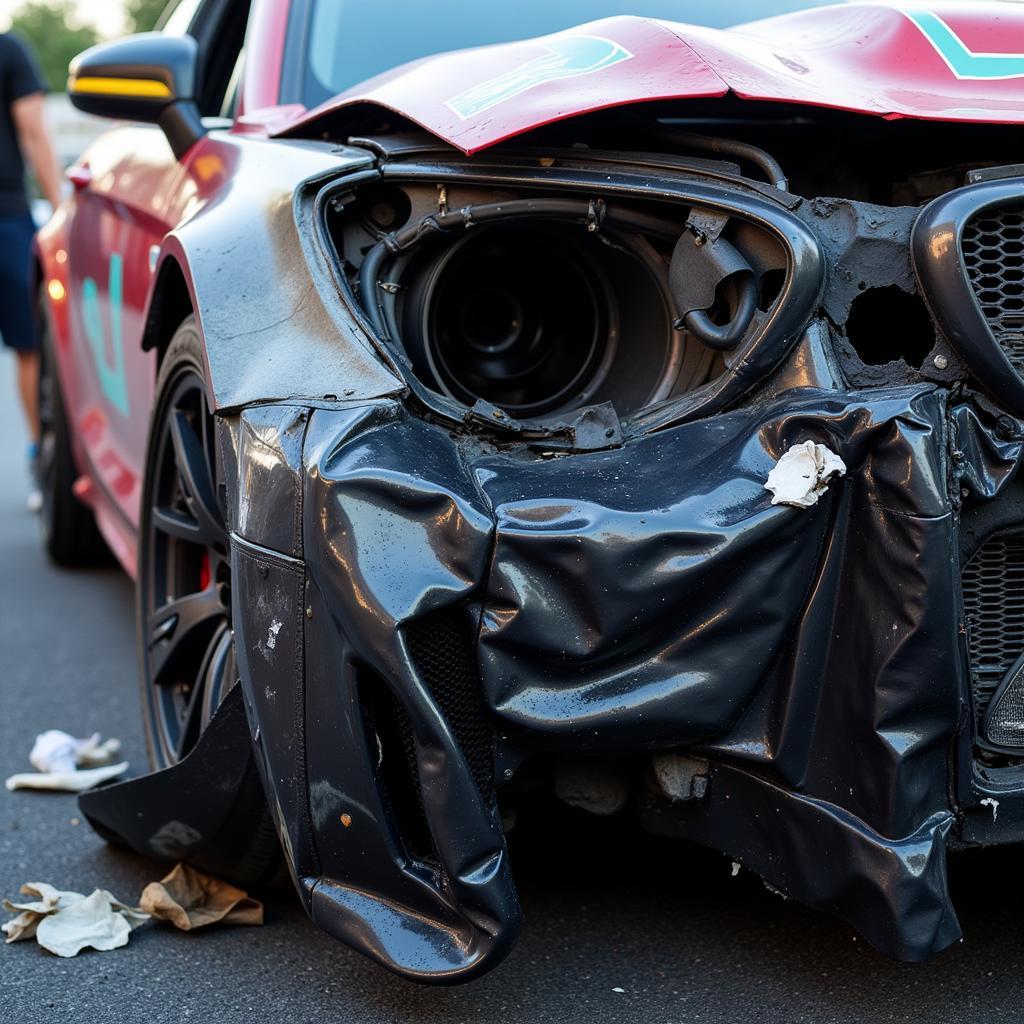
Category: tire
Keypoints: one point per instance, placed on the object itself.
(69, 531)
(183, 606)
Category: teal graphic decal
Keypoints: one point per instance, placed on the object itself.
(567, 58)
(965, 63)
(111, 371)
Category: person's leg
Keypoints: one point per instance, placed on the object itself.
(18, 329)
(28, 388)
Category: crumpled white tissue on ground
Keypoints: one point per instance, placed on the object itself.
(56, 751)
(801, 476)
(66, 922)
(68, 764)
(31, 912)
(67, 782)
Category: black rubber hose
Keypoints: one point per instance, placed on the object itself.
(764, 161)
(726, 336)
(369, 275)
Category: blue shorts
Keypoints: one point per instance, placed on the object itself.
(17, 319)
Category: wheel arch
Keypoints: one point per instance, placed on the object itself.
(171, 301)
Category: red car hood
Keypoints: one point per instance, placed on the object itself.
(951, 62)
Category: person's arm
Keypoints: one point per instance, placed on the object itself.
(34, 139)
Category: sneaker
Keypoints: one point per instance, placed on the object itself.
(35, 494)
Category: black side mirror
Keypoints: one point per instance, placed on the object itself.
(149, 77)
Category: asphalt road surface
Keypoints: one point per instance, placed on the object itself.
(617, 927)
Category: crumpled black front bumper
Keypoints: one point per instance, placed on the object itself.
(412, 603)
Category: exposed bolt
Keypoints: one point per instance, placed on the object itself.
(508, 774)
(498, 414)
(309, 612)
(940, 362)
(346, 820)
(609, 433)
(965, 492)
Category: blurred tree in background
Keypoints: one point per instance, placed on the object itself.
(56, 36)
(142, 14)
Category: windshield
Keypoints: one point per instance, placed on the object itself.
(350, 41)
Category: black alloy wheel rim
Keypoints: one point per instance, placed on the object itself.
(185, 573)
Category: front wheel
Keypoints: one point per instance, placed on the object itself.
(183, 590)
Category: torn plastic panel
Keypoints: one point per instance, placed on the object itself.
(893, 891)
(637, 600)
(188, 812)
(610, 591)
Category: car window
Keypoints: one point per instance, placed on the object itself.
(230, 105)
(177, 17)
(349, 41)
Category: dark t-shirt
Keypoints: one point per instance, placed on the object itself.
(19, 77)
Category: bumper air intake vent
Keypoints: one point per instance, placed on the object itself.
(441, 646)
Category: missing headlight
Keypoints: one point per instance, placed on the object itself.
(539, 318)
(540, 305)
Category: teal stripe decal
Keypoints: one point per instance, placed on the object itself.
(111, 373)
(566, 58)
(963, 62)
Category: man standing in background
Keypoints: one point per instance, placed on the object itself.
(23, 136)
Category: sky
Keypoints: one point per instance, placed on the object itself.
(106, 15)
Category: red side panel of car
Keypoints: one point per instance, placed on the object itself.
(954, 62)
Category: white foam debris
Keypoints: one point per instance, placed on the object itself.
(275, 628)
(801, 476)
(991, 801)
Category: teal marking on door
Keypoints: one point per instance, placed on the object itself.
(565, 58)
(111, 372)
(965, 63)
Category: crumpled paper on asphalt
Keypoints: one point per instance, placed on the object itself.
(189, 899)
(65, 922)
(801, 476)
(69, 765)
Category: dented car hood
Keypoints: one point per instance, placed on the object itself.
(952, 62)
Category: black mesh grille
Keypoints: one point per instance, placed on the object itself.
(993, 248)
(441, 645)
(993, 589)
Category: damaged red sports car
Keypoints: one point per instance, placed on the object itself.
(633, 412)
